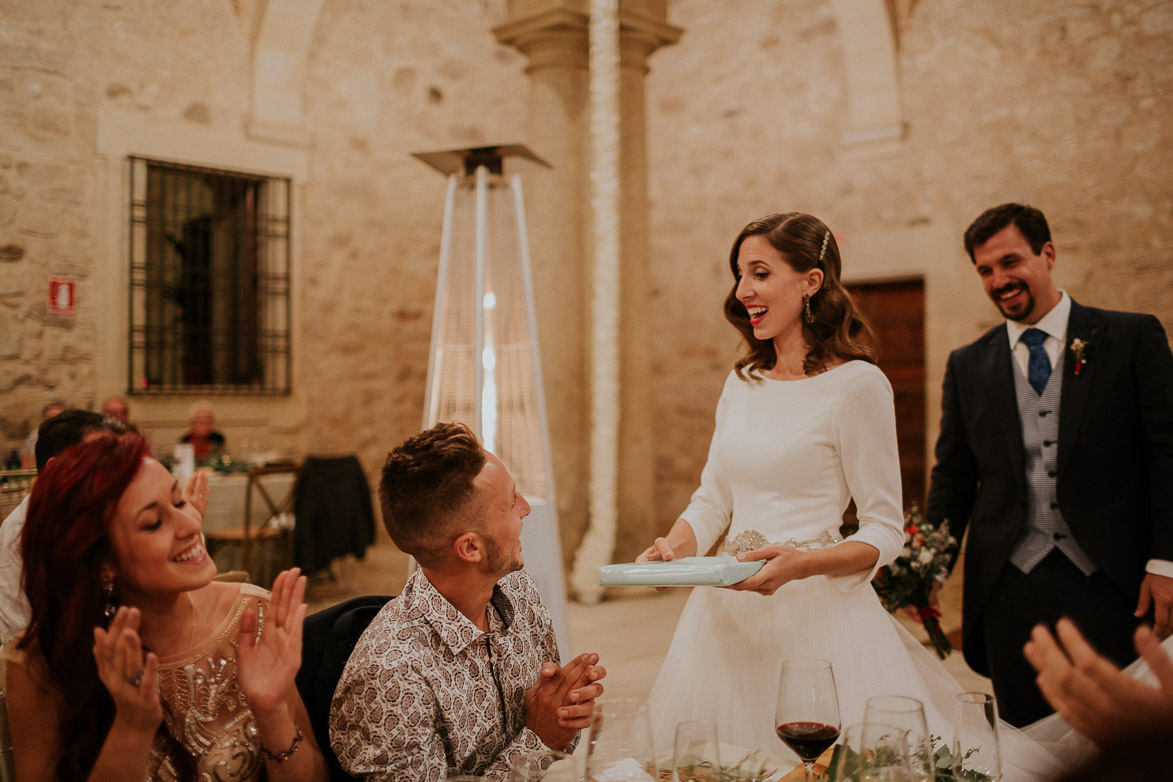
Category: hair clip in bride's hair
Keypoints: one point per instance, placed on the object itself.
(823, 251)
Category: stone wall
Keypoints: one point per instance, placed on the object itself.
(78, 78)
(1064, 105)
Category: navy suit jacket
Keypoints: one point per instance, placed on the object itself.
(1115, 458)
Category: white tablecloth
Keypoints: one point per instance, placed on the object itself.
(226, 496)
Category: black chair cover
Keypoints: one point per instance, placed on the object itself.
(328, 638)
(333, 512)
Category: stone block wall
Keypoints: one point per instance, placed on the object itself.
(383, 79)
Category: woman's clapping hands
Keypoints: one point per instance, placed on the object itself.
(127, 676)
(267, 665)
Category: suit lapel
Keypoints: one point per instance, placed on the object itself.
(998, 368)
(1081, 325)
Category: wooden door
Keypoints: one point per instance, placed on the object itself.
(896, 311)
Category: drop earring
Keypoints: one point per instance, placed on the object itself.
(807, 315)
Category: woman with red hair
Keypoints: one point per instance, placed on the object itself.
(136, 664)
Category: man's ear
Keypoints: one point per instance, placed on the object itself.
(468, 547)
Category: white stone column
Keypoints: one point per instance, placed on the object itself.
(553, 34)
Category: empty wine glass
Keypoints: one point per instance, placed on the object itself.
(547, 766)
(872, 752)
(908, 714)
(619, 742)
(806, 715)
(975, 737)
(695, 757)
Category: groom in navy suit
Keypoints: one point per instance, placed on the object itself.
(1056, 452)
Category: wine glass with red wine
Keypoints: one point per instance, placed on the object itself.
(807, 711)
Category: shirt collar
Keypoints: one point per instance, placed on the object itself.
(457, 631)
(1054, 323)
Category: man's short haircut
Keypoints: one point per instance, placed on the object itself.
(1030, 222)
(69, 428)
(427, 490)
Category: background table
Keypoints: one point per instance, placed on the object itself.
(226, 499)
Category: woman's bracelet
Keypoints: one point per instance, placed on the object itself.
(281, 757)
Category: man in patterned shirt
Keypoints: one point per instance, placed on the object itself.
(460, 674)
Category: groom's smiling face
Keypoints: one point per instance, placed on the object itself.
(1017, 279)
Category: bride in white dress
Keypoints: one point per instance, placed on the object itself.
(805, 423)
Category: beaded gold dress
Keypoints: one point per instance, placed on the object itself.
(204, 708)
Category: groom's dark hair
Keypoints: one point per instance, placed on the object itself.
(1030, 222)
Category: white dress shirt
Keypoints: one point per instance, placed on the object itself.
(14, 607)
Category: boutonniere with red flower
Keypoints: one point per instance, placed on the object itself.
(1079, 353)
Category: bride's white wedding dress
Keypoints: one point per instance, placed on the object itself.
(785, 459)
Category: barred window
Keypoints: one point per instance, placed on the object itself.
(209, 280)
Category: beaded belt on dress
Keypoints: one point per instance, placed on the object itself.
(751, 539)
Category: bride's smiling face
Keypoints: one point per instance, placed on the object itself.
(155, 540)
(770, 289)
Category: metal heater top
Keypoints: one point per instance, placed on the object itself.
(467, 159)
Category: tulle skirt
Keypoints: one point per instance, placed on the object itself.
(727, 652)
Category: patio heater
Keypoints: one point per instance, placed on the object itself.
(484, 367)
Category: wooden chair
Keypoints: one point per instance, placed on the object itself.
(275, 531)
(14, 486)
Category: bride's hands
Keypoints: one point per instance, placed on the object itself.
(783, 564)
(661, 549)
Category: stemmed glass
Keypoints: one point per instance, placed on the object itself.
(695, 757)
(806, 716)
(907, 714)
(547, 766)
(872, 752)
(619, 742)
(975, 737)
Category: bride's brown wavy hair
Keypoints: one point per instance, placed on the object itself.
(836, 331)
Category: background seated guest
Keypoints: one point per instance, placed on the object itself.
(54, 436)
(201, 431)
(460, 674)
(29, 449)
(116, 408)
(115, 566)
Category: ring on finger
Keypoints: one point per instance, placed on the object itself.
(137, 679)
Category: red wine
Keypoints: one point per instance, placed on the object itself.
(808, 739)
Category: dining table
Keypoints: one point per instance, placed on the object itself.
(227, 493)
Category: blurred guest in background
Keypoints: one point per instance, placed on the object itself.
(28, 451)
(54, 436)
(201, 431)
(116, 408)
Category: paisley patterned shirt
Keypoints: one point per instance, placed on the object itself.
(426, 694)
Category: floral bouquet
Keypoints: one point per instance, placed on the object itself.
(908, 581)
